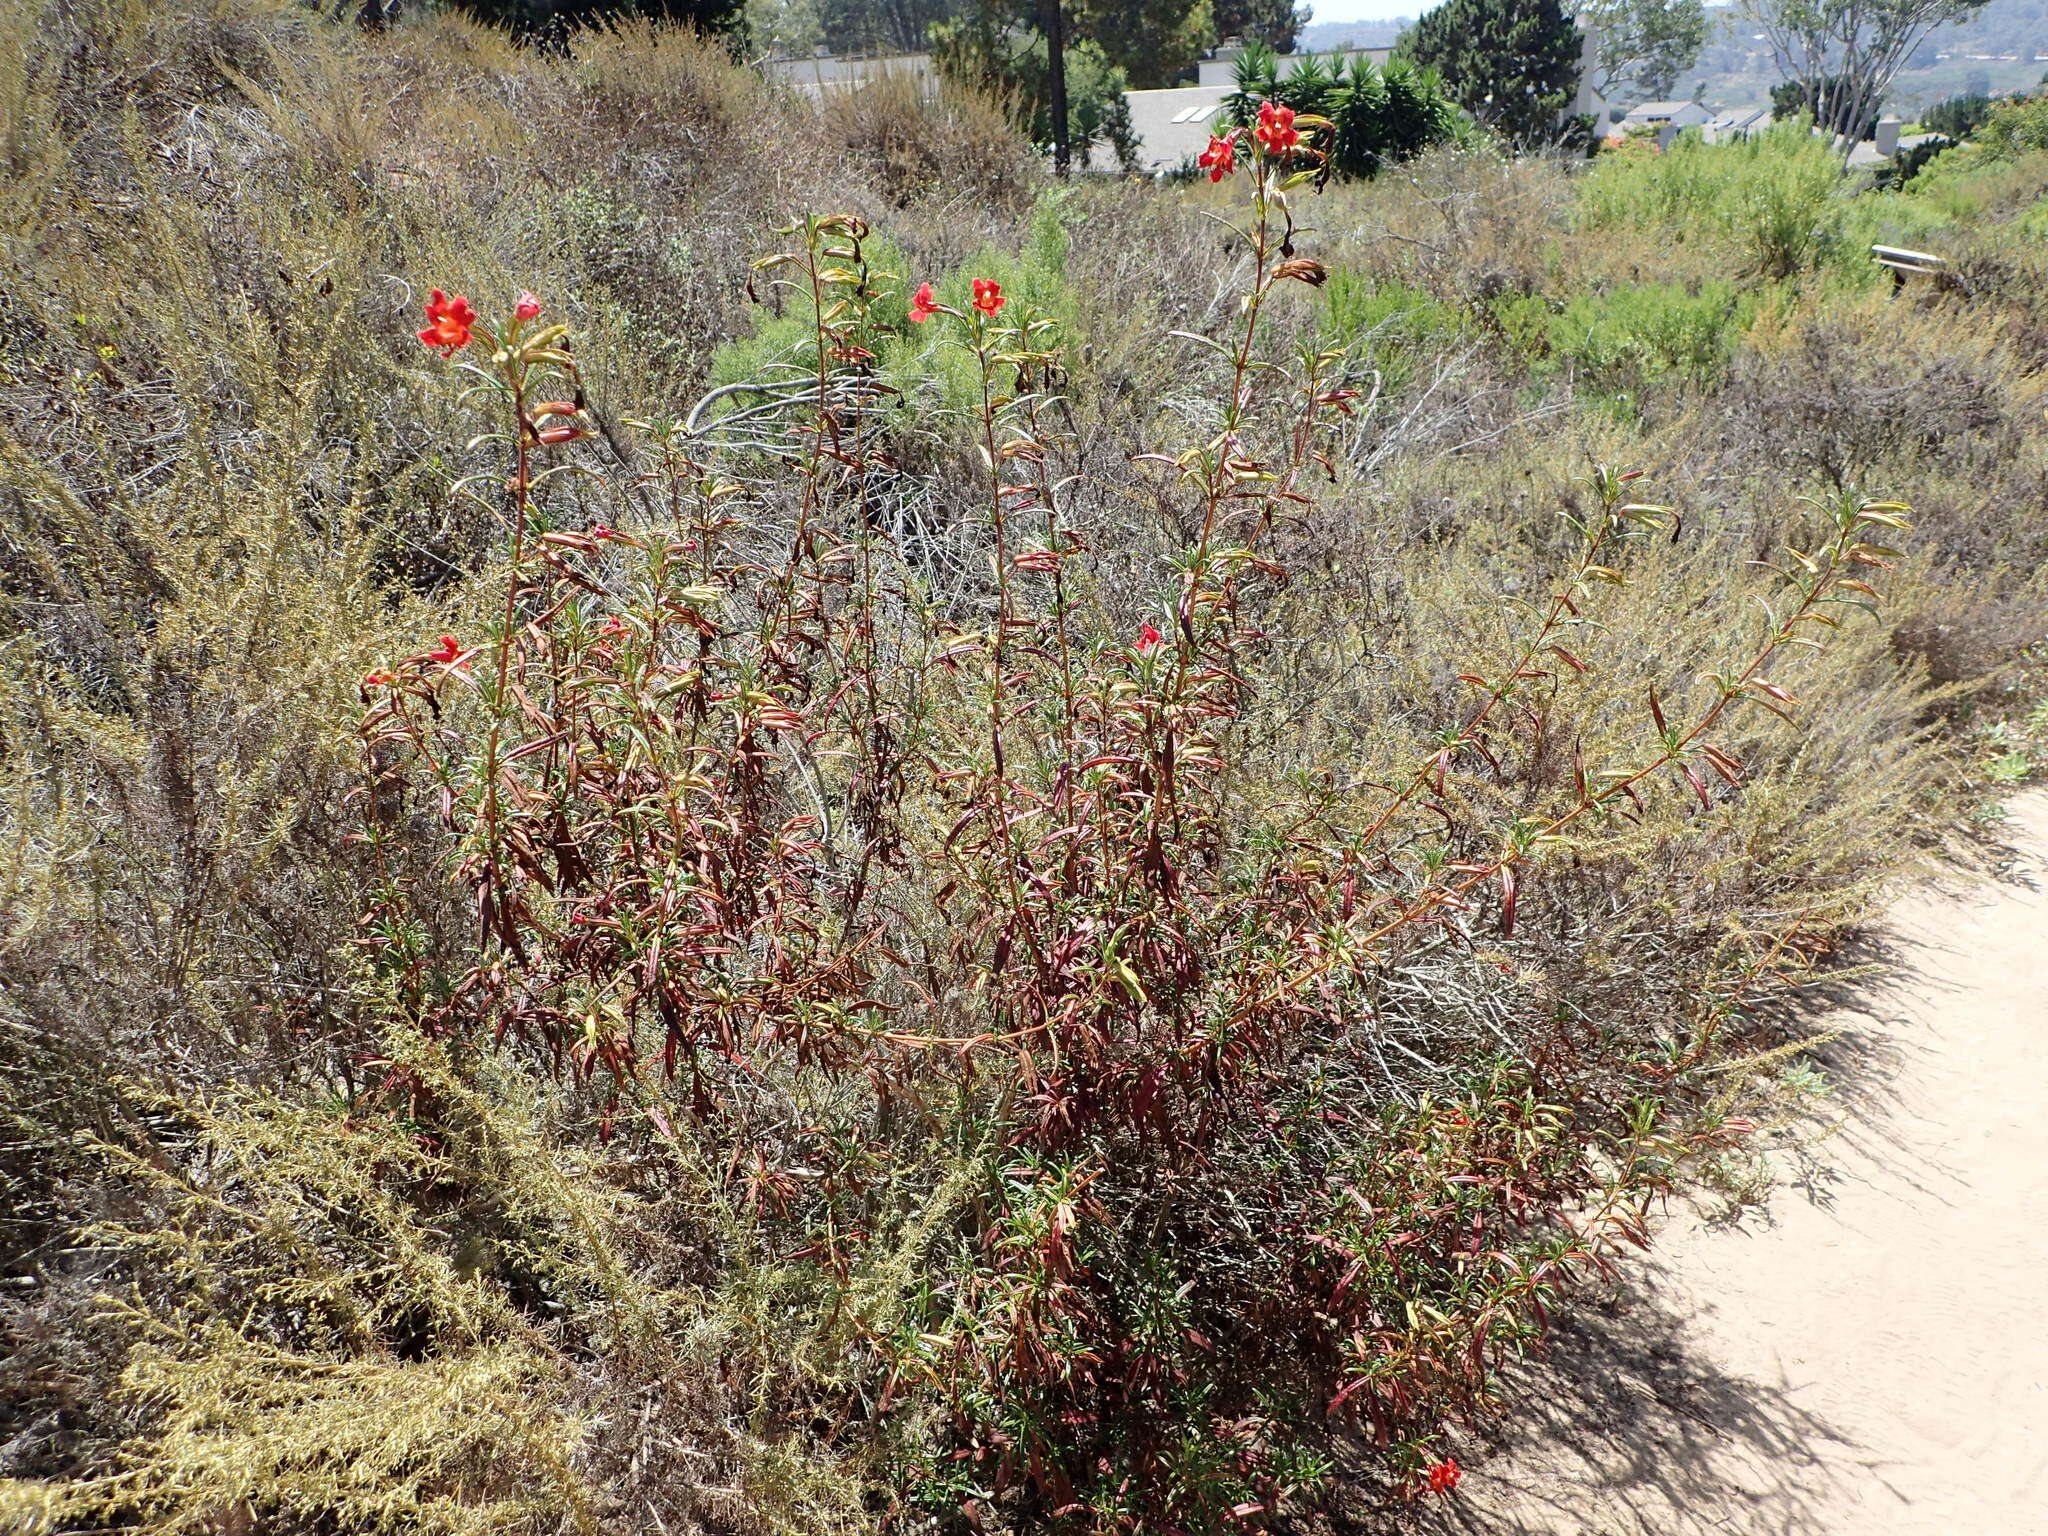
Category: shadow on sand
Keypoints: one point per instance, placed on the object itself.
(1624, 1402)
(1623, 1405)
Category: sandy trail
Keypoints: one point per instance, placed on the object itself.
(1872, 1355)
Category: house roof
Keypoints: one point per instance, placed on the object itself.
(1172, 126)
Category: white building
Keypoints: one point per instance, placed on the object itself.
(825, 73)
(1677, 114)
(1740, 123)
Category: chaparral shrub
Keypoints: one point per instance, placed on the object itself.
(954, 922)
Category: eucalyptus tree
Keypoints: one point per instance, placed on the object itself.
(1844, 54)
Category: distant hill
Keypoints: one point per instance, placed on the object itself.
(1321, 35)
(2003, 48)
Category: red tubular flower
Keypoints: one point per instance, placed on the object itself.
(922, 305)
(448, 653)
(378, 680)
(1148, 637)
(988, 296)
(528, 307)
(1276, 129)
(1220, 158)
(1443, 1477)
(448, 323)
(602, 531)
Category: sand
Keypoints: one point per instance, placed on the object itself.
(1870, 1354)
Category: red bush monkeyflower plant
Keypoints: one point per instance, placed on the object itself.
(959, 946)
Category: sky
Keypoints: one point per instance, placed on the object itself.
(1365, 10)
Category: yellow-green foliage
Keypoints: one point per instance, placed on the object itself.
(1768, 201)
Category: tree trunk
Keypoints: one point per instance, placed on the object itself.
(1056, 80)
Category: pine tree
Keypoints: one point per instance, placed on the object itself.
(1513, 64)
(1152, 41)
(1276, 23)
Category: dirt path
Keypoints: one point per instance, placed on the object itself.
(1871, 1357)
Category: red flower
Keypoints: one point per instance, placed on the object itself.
(602, 531)
(922, 305)
(1147, 638)
(1443, 1477)
(988, 296)
(378, 680)
(448, 323)
(448, 653)
(1220, 158)
(1276, 129)
(528, 307)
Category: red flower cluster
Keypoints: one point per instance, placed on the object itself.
(988, 298)
(449, 322)
(1220, 158)
(1276, 129)
(1148, 637)
(1443, 1477)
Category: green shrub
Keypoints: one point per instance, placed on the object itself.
(912, 360)
(1773, 201)
(1645, 335)
(1394, 325)
(1900, 170)
(2016, 126)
